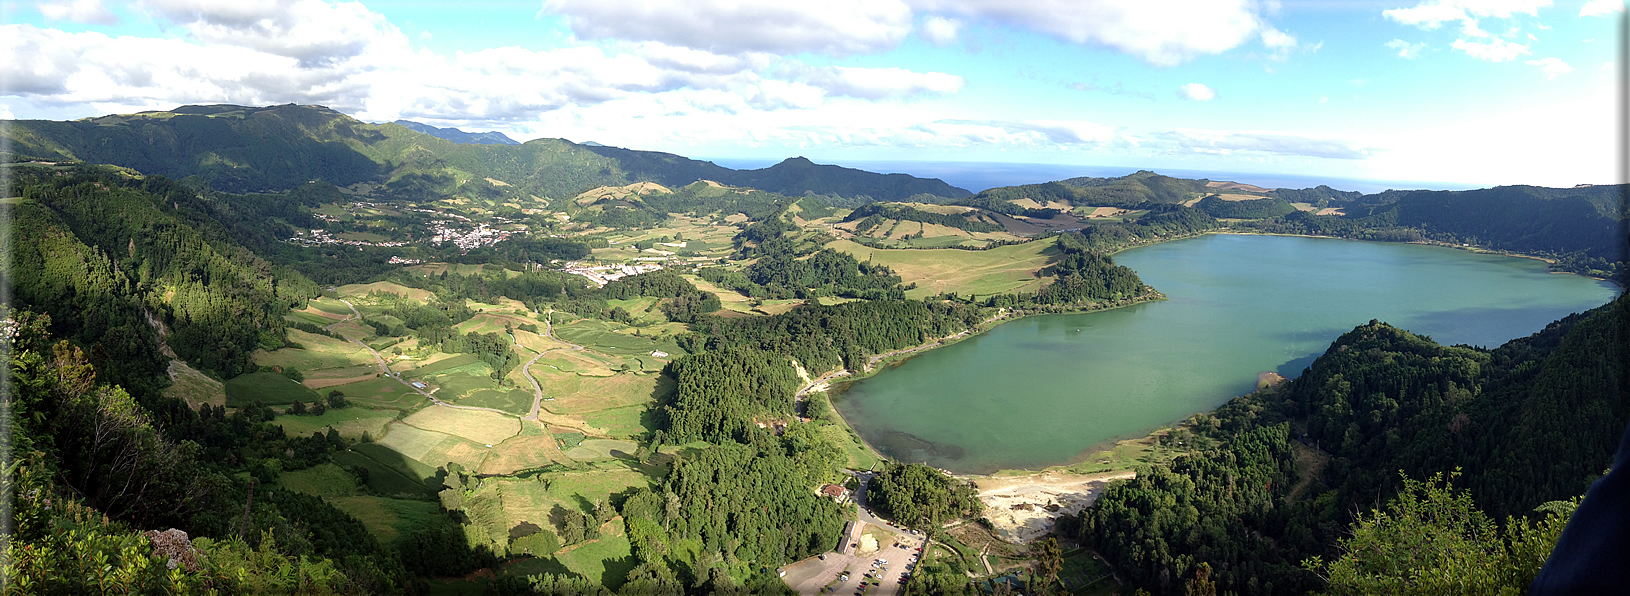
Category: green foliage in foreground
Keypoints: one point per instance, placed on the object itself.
(1431, 539)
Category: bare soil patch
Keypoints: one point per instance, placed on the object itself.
(1024, 508)
(1240, 197)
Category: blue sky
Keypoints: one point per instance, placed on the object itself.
(1465, 92)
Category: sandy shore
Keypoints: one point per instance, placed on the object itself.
(1024, 508)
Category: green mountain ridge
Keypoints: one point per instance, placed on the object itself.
(269, 149)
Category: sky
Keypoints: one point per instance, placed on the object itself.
(1459, 92)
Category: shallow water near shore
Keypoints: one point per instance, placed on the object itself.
(1038, 391)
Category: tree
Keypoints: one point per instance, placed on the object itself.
(1431, 539)
(297, 407)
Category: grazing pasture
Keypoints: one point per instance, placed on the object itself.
(350, 422)
(268, 388)
(474, 425)
(1012, 268)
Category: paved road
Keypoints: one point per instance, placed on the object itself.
(526, 370)
(386, 369)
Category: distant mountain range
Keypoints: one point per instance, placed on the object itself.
(275, 148)
(458, 136)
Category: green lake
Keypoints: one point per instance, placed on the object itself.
(1041, 391)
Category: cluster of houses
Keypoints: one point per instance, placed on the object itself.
(482, 235)
(604, 274)
(318, 237)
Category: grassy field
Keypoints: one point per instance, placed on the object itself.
(1010, 268)
(193, 387)
(533, 448)
(319, 352)
(430, 448)
(443, 365)
(388, 519)
(269, 388)
(579, 394)
(382, 392)
(384, 478)
(631, 421)
(606, 337)
(350, 422)
(475, 425)
(385, 287)
(514, 400)
(595, 449)
(607, 560)
(331, 306)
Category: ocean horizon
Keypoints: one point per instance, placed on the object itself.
(978, 176)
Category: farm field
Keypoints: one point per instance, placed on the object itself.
(596, 449)
(320, 352)
(385, 287)
(533, 448)
(268, 388)
(386, 518)
(631, 421)
(580, 394)
(515, 400)
(1010, 268)
(350, 422)
(474, 425)
(430, 448)
(394, 478)
(380, 392)
(606, 337)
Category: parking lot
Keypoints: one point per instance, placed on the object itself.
(817, 576)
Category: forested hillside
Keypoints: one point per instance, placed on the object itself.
(1531, 422)
(270, 149)
(111, 250)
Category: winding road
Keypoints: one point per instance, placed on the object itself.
(526, 370)
(386, 369)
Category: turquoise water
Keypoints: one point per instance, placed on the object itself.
(1041, 390)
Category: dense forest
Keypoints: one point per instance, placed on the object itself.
(1514, 428)
(881, 211)
(136, 274)
(921, 497)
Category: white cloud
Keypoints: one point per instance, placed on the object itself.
(880, 83)
(5, 112)
(1196, 92)
(311, 31)
(834, 27)
(78, 11)
(1432, 14)
(1405, 49)
(1552, 67)
(940, 30)
(1221, 142)
(1601, 8)
(1162, 33)
(1495, 50)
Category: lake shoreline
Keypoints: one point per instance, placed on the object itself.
(1091, 458)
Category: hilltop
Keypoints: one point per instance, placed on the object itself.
(276, 148)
